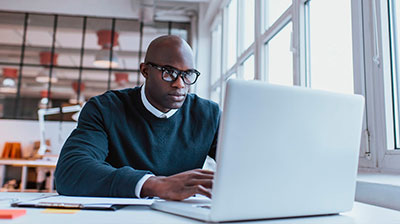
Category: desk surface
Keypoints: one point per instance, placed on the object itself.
(30, 163)
(361, 214)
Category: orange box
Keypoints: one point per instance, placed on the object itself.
(11, 213)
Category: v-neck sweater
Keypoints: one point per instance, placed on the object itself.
(118, 141)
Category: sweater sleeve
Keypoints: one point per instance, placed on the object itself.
(217, 116)
(81, 169)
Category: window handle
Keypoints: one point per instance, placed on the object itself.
(376, 57)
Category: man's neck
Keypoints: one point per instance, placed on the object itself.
(152, 109)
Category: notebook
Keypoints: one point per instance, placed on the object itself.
(75, 202)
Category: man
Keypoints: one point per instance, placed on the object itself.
(146, 141)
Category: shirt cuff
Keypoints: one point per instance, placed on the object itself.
(140, 183)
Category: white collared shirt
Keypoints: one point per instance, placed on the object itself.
(152, 109)
(158, 114)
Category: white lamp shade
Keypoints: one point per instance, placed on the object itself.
(102, 59)
(43, 76)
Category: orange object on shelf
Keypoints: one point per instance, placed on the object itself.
(6, 150)
(12, 150)
(11, 213)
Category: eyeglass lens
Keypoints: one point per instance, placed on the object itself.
(172, 75)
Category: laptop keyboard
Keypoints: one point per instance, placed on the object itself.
(204, 206)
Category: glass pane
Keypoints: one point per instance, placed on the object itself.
(330, 63)
(128, 43)
(8, 90)
(216, 95)
(69, 40)
(93, 45)
(216, 54)
(63, 90)
(280, 58)
(152, 32)
(122, 80)
(12, 31)
(274, 9)
(39, 37)
(233, 76)
(135, 79)
(231, 33)
(95, 81)
(248, 68)
(395, 43)
(181, 29)
(30, 92)
(247, 23)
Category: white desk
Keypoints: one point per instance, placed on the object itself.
(361, 214)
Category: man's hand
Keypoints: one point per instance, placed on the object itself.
(179, 186)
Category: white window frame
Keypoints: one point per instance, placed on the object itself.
(218, 20)
(377, 64)
(370, 39)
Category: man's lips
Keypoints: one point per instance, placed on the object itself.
(177, 96)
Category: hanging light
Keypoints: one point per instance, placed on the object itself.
(102, 58)
(9, 76)
(44, 74)
(81, 99)
(121, 78)
(8, 83)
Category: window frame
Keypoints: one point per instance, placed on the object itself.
(378, 74)
(369, 39)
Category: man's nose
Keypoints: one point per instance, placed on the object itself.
(178, 83)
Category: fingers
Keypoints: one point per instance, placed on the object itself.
(207, 183)
(201, 174)
(186, 184)
(205, 171)
(199, 189)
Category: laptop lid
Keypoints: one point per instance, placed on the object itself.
(285, 151)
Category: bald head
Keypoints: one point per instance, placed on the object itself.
(166, 52)
(170, 50)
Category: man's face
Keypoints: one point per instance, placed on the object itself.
(168, 51)
(162, 94)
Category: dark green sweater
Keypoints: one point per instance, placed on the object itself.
(118, 141)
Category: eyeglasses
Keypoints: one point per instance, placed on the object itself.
(170, 74)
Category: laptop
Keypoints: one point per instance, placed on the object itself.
(282, 152)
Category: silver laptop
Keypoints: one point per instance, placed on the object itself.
(282, 152)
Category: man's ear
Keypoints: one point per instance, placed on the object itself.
(144, 70)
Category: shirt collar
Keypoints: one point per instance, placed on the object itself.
(152, 109)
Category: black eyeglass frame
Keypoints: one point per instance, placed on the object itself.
(180, 73)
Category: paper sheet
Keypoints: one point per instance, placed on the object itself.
(84, 202)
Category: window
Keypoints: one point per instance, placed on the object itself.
(248, 68)
(216, 54)
(246, 24)
(274, 9)
(216, 95)
(394, 22)
(341, 46)
(232, 76)
(49, 60)
(330, 45)
(377, 64)
(231, 33)
(279, 61)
